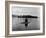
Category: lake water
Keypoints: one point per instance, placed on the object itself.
(33, 25)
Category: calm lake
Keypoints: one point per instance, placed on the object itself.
(33, 25)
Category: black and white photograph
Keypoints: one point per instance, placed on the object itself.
(25, 18)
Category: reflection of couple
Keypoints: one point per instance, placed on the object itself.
(26, 22)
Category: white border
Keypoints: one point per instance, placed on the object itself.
(24, 32)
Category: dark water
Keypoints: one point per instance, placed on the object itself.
(33, 25)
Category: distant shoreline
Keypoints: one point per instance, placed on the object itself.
(25, 16)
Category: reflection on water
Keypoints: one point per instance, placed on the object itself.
(33, 25)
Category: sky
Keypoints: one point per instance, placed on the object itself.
(34, 11)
